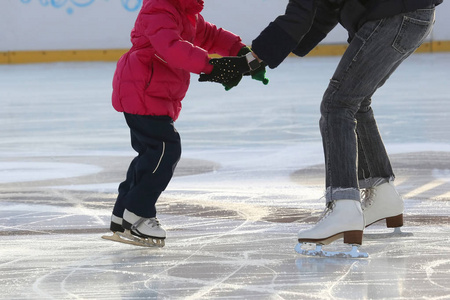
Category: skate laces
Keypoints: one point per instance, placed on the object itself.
(152, 222)
(327, 211)
(367, 196)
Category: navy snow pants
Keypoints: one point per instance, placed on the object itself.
(158, 145)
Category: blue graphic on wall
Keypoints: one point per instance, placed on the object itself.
(129, 5)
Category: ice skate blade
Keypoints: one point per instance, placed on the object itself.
(128, 238)
(396, 233)
(318, 252)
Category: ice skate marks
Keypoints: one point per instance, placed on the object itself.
(127, 238)
(318, 252)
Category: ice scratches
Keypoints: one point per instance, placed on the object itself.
(53, 200)
(25, 232)
(342, 270)
(49, 212)
(233, 276)
(219, 245)
(218, 209)
(436, 269)
(216, 284)
(44, 286)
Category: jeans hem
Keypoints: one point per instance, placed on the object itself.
(335, 194)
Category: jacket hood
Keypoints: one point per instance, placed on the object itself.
(190, 7)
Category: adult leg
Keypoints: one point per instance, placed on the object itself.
(380, 200)
(369, 60)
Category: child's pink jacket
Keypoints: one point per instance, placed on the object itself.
(168, 44)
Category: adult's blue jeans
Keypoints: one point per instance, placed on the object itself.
(355, 156)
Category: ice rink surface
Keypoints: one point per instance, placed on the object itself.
(250, 177)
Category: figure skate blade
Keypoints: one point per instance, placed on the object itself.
(128, 238)
(318, 252)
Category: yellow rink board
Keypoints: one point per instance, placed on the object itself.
(43, 56)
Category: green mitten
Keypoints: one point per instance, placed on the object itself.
(260, 73)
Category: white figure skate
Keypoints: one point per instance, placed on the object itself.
(343, 219)
(146, 232)
(383, 202)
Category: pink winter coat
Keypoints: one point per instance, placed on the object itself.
(170, 40)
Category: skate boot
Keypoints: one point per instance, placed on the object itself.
(116, 224)
(343, 219)
(382, 202)
(143, 227)
(146, 232)
(116, 228)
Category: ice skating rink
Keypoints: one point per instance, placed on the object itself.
(250, 177)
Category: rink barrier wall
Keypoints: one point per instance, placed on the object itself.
(44, 56)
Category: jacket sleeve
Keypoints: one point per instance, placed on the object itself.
(216, 40)
(167, 41)
(283, 35)
(326, 18)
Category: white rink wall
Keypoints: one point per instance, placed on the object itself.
(30, 25)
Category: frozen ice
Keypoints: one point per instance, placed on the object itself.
(250, 177)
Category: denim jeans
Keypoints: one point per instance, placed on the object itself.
(355, 156)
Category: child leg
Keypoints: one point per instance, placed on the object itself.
(158, 144)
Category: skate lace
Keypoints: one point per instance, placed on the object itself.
(367, 196)
(326, 212)
(153, 222)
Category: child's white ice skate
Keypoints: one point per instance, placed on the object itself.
(146, 232)
(383, 202)
(343, 219)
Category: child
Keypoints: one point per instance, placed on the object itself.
(170, 40)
